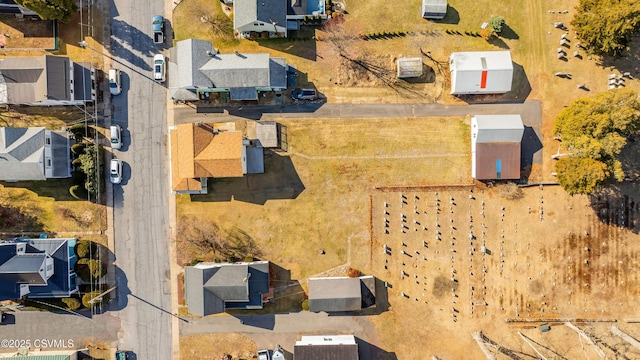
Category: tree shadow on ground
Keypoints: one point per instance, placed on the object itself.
(496, 41)
(57, 189)
(508, 33)
(618, 205)
(628, 62)
(452, 17)
(280, 181)
(16, 219)
(367, 350)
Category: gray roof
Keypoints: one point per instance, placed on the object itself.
(228, 282)
(255, 160)
(238, 70)
(335, 294)
(25, 269)
(267, 133)
(82, 83)
(58, 77)
(191, 56)
(268, 11)
(60, 156)
(10, 7)
(22, 154)
(243, 93)
(498, 128)
(210, 288)
(31, 79)
(434, 7)
(326, 347)
(278, 73)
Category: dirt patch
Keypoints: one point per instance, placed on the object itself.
(25, 33)
(214, 346)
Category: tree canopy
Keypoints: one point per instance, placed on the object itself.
(51, 9)
(607, 25)
(594, 131)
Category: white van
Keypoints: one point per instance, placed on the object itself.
(116, 137)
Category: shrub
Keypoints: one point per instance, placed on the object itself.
(72, 303)
(86, 249)
(89, 269)
(78, 130)
(248, 258)
(78, 148)
(496, 23)
(305, 304)
(353, 273)
(78, 192)
(510, 191)
(86, 298)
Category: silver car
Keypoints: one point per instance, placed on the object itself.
(115, 81)
(116, 171)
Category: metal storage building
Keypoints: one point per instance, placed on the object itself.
(480, 72)
(434, 9)
(495, 146)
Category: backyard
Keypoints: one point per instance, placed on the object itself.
(316, 197)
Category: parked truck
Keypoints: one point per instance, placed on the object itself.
(158, 29)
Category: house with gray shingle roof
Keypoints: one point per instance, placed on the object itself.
(212, 288)
(340, 294)
(273, 18)
(45, 80)
(34, 154)
(260, 16)
(37, 268)
(200, 71)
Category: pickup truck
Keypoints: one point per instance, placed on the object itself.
(158, 29)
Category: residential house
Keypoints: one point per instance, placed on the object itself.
(200, 151)
(326, 347)
(212, 288)
(481, 72)
(37, 268)
(34, 154)
(496, 146)
(434, 9)
(45, 80)
(340, 294)
(273, 18)
(199, 71)
(260, 16)
(11, 7)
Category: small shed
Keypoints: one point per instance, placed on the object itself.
(267, 133)
(434, 9)
(481, 72)
(409, 67)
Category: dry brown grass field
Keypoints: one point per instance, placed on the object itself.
(548, 255)
(332, 168)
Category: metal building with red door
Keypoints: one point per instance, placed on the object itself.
(480, 72)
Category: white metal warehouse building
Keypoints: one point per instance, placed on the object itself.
(481, 72)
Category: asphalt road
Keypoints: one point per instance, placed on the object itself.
(531, 111)
(141, 215)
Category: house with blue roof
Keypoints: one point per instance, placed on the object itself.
(212, 288)
(37, 268)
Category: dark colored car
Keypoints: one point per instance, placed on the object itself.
(304, 94)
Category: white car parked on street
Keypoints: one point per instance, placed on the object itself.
(159, 68)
